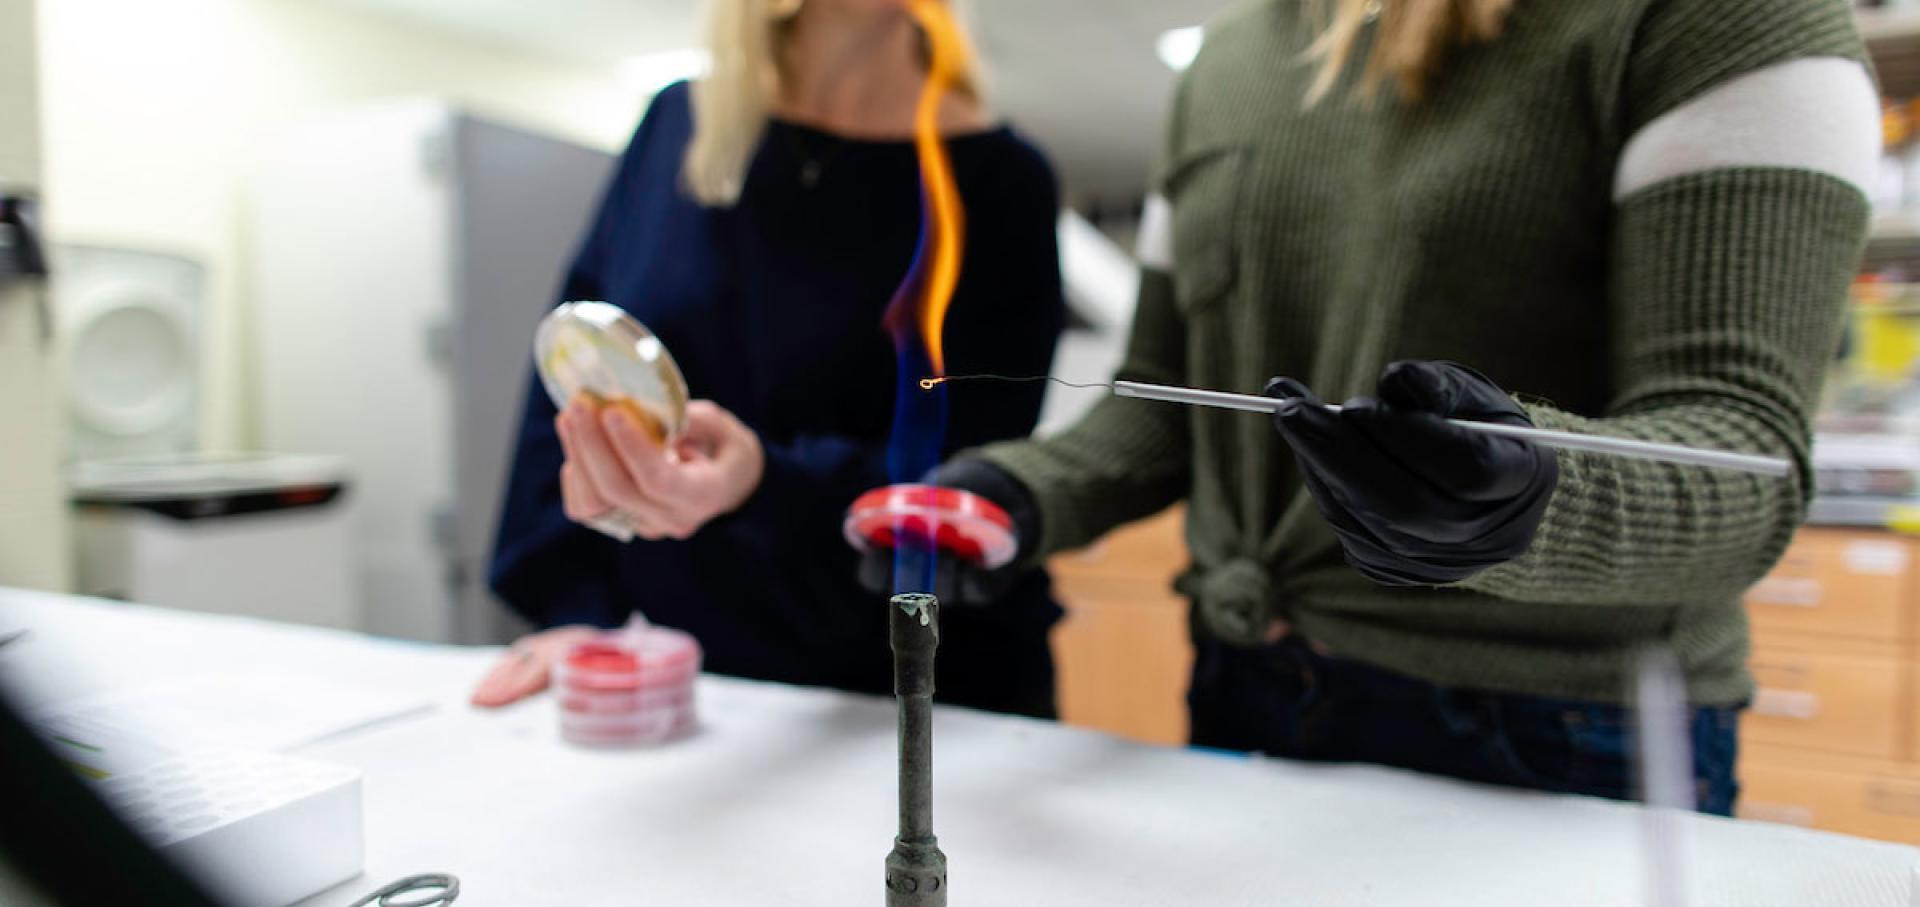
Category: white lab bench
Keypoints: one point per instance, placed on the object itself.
(786, 796)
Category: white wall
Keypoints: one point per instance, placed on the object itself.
(154, 111)
(33, 513)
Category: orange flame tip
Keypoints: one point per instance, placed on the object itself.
(947, 55)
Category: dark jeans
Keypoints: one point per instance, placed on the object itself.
(1287, 700)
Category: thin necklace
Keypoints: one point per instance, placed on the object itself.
(813, 161)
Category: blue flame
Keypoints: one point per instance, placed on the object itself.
(913, 449)
(918, 434)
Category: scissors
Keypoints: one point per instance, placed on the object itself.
(428, 889)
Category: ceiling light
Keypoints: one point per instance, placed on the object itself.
(1177, 47)
(648, 73)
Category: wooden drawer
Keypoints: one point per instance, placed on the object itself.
(1833, 702)
(1886, 807)
(1837, 583)
(1123, 659)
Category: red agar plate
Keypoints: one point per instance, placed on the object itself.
(956, 523)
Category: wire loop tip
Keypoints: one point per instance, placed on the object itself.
(930, 382)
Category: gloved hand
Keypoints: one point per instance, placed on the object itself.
(1416, 501)
(956, 581)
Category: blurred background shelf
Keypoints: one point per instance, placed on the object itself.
(1888, 26)
(1893, 239)
(1863, 512)
(1893, 42)
(1893, 38)
(1896, 227)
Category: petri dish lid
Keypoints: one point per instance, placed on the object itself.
(630, 659)
(599, 350)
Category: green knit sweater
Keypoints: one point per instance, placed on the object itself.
(1478, 225)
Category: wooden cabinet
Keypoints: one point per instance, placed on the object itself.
(1875, 800)
(1832, 740)
(1847, 702)
(1852, 585)
(1122, 652)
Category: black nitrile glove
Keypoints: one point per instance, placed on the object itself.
(1416, 501)
(955, 581)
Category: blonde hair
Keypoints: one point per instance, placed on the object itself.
(1412, 40)
(732, 103)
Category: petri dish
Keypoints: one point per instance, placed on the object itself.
(598, 350)
(956, 523)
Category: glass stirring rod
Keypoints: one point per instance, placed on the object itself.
(1559, 440)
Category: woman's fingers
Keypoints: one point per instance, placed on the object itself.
(581, 502)
(613, 461)
(520, 674)
(577, 495)
(563, 427)
(667, 482)
(707, 428)
(599, 479)
(528, 666)
(646, 461)
(728, 457)
(609, 473)
(596, 455)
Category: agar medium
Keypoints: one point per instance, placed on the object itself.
(598, 350)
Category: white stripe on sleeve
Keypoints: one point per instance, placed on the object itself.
(1154, 246)
(1816, 113)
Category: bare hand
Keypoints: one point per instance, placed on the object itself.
(528, 666)
(614, 467)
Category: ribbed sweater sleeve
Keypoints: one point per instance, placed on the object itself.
(1727, 292)
(1125, 459)
(1679, 49)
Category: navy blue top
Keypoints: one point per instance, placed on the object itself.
(773, 309)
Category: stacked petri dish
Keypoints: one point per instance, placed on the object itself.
(628, 687)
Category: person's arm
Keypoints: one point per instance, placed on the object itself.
(548, 568)
(1738, 225)
(809, 479)
(1126, 459)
